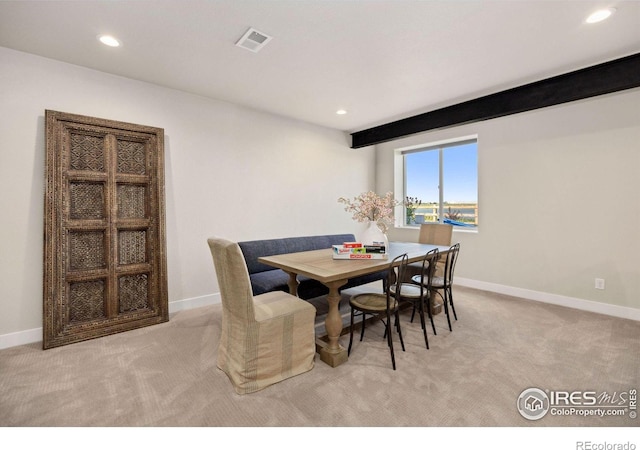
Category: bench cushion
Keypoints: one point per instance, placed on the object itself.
(277, 280)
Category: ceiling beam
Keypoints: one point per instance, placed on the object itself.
(605, 78)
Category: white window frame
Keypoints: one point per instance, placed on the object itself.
(400, 185)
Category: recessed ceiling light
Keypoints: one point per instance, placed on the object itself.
(341, 112)
(600, 15)
(109, 40)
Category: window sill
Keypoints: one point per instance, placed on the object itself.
(455, 229)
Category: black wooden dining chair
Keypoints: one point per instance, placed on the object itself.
(442, 285)
(418, 293)
(382, 306)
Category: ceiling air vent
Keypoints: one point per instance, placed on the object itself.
(253, 40)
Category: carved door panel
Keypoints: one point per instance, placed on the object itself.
(104, 255)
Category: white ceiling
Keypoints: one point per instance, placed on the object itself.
(381, 60)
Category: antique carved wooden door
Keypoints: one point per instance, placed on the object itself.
(104, 255)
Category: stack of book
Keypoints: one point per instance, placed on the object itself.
(357, 250)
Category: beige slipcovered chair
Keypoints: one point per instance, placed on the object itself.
(436, 234)
(265, 339)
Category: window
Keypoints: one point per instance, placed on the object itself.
(440, 183)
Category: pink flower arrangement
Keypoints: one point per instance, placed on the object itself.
(369, 206)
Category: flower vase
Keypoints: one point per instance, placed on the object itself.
(373, 235)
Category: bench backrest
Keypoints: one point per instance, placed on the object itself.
(252, 250)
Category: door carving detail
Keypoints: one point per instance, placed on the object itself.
(104, 249)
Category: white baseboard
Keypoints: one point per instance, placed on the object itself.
(194, 302)
(20, 338)
(623, 312)
(35, 334)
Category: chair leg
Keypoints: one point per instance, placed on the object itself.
(446, 310)
(350, 334)
(396, 324)
(433, 325)
(384, 336)
(444, 298)
(453, 308)
(390, 340)
(364, 317)
(400, 330)
(422, 322)
(413, 313)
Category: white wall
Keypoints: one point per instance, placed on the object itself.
(559, 203)
(230, 171)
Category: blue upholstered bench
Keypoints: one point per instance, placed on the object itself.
(266, 278)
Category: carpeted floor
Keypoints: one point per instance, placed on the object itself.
(165, 375)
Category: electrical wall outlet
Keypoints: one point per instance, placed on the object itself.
(599, 283)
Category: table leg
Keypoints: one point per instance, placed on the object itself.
(293, 283)
(333, 353)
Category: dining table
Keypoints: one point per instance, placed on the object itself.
(335, 273)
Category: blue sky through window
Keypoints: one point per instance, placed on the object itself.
(460, 174)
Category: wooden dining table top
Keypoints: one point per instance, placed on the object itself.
(320, 265)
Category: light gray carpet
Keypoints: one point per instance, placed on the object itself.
(165, 375)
